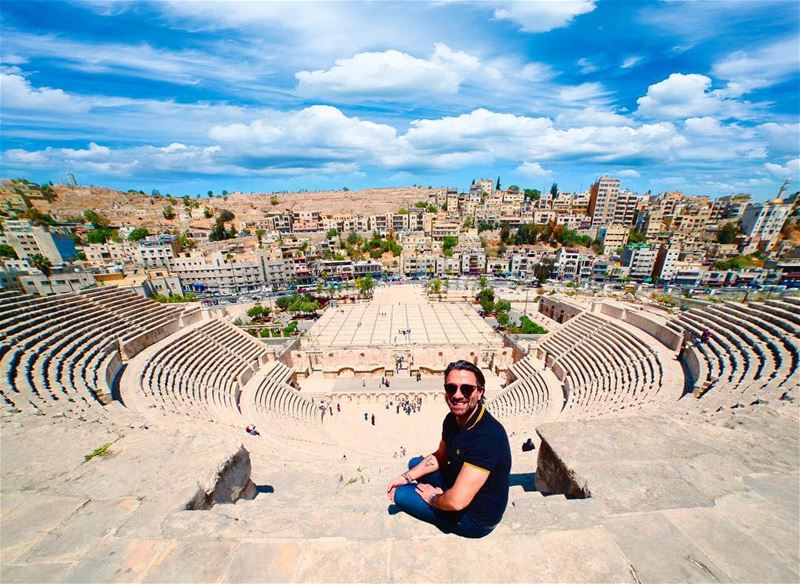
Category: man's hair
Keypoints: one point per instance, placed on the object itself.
(462, 365)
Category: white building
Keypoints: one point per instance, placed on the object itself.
(156, 251)
(762, 224)
(28, 239)
(603, 200)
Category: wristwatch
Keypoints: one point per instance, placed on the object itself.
(432, 499)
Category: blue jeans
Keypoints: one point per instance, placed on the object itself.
(457, 522)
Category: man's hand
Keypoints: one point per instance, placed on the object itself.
(426, 491)
(398, 481)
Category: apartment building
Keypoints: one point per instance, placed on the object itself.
(28, 239)
(640, 261)
(156, 251)
(602, 200)
(762, 223)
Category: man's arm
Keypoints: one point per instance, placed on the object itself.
(468, 482)
(428, 465)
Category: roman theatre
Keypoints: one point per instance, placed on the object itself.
(658, 457)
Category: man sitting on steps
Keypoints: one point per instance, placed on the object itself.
(462, 488)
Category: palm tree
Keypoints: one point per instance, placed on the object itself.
(41, 263)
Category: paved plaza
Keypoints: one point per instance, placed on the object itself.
(395, 309)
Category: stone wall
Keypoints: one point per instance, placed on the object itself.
(647, 322)
(372, 361)
(143, 340)
(558, 309)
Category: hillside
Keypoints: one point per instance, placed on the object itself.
(128, 208)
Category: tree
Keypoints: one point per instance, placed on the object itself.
(138, 233)
(528, 327)
(210, 194)
(345, 189)
(332, 233)
(273, 200)
(497, 186)
(483, 282)
(728, 233)
(502, 306)
(224, 193)
(502, 319)
(554, 189)
(353, 238)
(155, 193)
(543, 270)
(449, 242)
(636, 236)
(532, 194)
(436, 286)
(365, 284)
(186, 243)
(168, 212)
(513, 189)
(38, 218)
(486, 300)
(6, 251)
(41, 263)
(208, 212)
(93, 217)
(98, 236)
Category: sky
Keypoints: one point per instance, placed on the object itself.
(186, 97)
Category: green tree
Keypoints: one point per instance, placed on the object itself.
(554, 189)
(345, 189)
(353, 238)
(168, 212)
(448, 243)
(513, 188)
(93, 217)
(502, 319)
(224, 193)
(273, 200)
(532, 194)
(483, 282)
(486, 300)
(528, 327)
(208, 212)
(186, 243)
(636, 236)
(502, 306)
(497, 186)
(210, 194)
(543, 270)
(332, 233)
(6, 251)
(98, 236)
(365, 284)
(138, 233)
(41, 263)
(728, 233)
(436, 286)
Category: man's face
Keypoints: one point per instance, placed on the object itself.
(460, 405)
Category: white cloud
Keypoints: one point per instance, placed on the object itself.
(790, 168)
(591, 117)
(586, 66)
(16, 93)
(631, 61)
(585, 92)
(763, 67)
(628, 173)
(391, 73)
(533, 169)
(543, 16)
(781, 138)
(683, 96)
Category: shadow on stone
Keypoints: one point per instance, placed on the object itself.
(393, 509)
(264, 489)
(526, 480)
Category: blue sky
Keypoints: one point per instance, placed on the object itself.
(185, 96)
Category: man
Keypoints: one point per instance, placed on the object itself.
(462, 488)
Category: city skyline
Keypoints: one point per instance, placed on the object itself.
(185, 97)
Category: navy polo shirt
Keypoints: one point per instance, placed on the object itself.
(482, 443)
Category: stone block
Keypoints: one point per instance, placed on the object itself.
(264, 561)
(193, 561)
(120, 560)
(659, 552)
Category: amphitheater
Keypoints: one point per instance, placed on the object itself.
(124, 456)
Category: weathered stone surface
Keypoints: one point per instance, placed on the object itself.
(341, 560)
(23, 527)
(744, 559)
(78, 534)
(659, 552)
(120, 560)
(193, 561)
(264, 561)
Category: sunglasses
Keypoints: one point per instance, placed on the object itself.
(466, 389)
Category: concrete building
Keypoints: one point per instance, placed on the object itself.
(762, 223)
(111, 253)
(602, 200)
(615, 237)
(28, 239)
(156, 251)
(60, 281)
(666, 262)
(473, 262)
(640, 260)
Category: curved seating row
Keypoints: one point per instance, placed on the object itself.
(202, 371)
(56, 350)
(275, 396)
(753, 351)
(529, 393)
